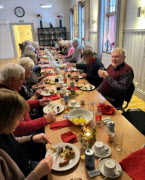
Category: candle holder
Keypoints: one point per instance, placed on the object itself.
(87, 137)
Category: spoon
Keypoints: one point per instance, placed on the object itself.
(105, 151)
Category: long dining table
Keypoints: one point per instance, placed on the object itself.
(133, 140)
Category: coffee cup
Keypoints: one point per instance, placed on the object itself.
(73, 103)
(109, 166)
(99, 147)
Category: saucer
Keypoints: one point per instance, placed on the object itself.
(100, 154)
(69, 105)
(118, 168)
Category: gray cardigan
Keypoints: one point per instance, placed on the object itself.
(9, 169)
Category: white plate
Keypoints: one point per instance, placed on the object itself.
(44, 93)
(49, 71)
(106, 154)
(53, 107)
(87, 87)
(58, 159)
(118, 168)
(80, 112)
(80, 77)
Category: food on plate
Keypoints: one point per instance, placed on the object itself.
(78, 120)
(87, 87)
(46, 91)
(65, 153)
(53, 149)
(58, 108)
(64, 163)
(42, 71)
(52, 91)
(52, 82)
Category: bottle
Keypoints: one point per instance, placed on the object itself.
(65, 79)
(71, 84)
(66, 98)
(98, 116)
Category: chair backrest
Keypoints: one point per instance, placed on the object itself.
(129, 93)
(21, 46)
(127, 97)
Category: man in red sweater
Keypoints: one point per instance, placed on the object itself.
(117, 79)
(12, 77)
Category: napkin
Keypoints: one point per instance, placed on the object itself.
(106, 109)
(50, 74)
(134, 165)
(60, 124)
(69, 137)
(74, 88)
(52, 97)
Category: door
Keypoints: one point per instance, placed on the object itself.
(21, 33)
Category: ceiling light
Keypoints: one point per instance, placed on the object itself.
(1, 6)
(49, 5)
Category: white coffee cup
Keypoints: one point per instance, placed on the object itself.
(73, 103)
(109, 166)
(99, 147)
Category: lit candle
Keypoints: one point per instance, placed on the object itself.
(87, 133)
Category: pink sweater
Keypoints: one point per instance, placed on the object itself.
(71, 50)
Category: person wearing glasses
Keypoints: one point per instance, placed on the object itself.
(89, 71)
(118, 79)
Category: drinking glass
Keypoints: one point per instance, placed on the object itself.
(102, 68)
(118, 140)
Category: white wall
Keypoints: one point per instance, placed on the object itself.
(31, 7)
(134, 44)
(131, 20)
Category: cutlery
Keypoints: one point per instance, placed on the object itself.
(105, 151)
(69, 116)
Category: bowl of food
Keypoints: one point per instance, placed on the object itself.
(80, 117)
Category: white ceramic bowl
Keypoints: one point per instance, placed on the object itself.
(80, 112)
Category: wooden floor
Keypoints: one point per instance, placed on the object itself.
(135, 101)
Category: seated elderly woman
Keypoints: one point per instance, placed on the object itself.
(36, 46)
(12, 77)
(15, 162)
(80, 60)
(29, 48)
(25, 43)
(64, 48)
(71, 49)
(73, 58)
(35, 76)
(27, 91)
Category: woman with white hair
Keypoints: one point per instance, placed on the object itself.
(70, 48)
(29, 48)
(76, 55)
(12, 77)
(27, 92)
(33, 79)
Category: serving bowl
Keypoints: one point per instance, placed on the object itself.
(80, 116)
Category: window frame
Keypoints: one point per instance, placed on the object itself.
(107, 15)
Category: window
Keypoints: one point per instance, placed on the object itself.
(71, 16)
(110, 21)
(81, 20)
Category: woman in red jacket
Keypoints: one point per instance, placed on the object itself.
(12, 77)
